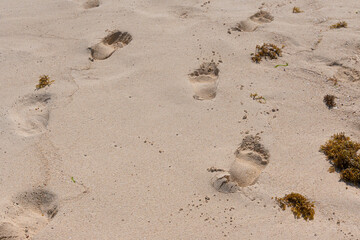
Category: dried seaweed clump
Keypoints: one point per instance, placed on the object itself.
(342, 24)
(329, 100)
(265, 51)
(342, 153)
(258, 98)
(297, 10)
(333, 80)
(300, 205)
(44, 81)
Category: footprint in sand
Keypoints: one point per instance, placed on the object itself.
(251, 159)
(31, 114)
(109, 45)
(347, 74)
(245, 26)
(91, 4)
(205, 81)
(223, 183)
(252, 23)
(28, 214)
(262, 17)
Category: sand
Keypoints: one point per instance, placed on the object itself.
(118, 147)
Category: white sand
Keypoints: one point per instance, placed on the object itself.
(137, 144)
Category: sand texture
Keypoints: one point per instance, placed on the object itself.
(159, 125)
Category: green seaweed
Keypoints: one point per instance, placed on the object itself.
(282, 65)
(300, 205)
(72, 179)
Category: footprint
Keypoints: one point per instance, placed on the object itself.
(251, 160)
(31, 114)
(245, 26)
(252, 23)
(29, 213)
(185, 12)
(109, 45)
(262, 17)
(205, 81)
(8, 231)
(91, 4)
(347, 74)
(223, 183)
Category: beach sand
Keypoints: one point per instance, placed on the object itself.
(119, 145)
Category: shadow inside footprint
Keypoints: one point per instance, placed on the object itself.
(30, 212)
(41, 200)
(262, 17)
(109, 45)
(205, 81)
(31, 114)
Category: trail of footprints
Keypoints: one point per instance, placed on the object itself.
(31, 211)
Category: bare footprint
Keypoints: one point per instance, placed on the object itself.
(29, 213)
(223, 183)
(251, 160)
(246, 26)
(347, 74)
(31, 114)
(262, 17)
(185, 12)
(91, 4)
(252, 23)
(205, 81)
(109, 45)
